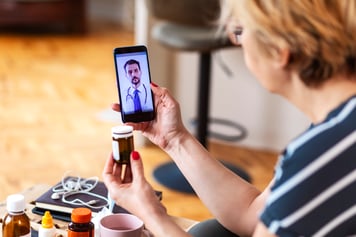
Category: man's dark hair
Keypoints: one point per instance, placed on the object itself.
(130, 62)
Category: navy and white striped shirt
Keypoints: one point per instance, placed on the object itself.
(314, 192)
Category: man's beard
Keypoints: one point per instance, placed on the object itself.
(135, 80)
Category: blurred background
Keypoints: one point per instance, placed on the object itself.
(57, 83)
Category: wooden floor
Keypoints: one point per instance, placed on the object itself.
(52, 89)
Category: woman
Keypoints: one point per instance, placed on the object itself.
(305, 51)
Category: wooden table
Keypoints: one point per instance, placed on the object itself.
(32, 193)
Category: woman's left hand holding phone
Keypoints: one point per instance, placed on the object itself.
(167, 124)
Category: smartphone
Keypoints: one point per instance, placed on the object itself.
(133, 79)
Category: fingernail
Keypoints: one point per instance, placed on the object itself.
(153, 84)
(135, 155)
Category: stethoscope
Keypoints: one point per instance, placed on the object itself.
(130, 97)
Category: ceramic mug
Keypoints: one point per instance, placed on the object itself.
(121, 225)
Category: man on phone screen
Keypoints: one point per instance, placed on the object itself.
(136, 94)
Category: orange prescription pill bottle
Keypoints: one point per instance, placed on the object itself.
(81, 225)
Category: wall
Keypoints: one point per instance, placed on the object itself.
(119, 11)
(270, 120)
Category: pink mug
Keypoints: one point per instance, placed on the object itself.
(121, 225)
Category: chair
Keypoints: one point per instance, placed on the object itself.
(187, 25)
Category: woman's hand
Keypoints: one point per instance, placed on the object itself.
(167, 124)
(129, 188)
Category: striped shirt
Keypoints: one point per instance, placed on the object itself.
(314, 193)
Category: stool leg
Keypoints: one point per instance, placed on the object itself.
(203, 97)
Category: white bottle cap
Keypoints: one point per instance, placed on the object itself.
(121, 131)
(15, 203)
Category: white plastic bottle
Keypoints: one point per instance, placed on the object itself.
(47, 228)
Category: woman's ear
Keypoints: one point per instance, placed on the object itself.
(282, 57)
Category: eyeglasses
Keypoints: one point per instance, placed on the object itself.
(235, 35)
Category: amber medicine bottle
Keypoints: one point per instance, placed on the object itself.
(122, 143)
(16, 223)
(81, 225)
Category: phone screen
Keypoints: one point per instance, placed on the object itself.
(133, 82)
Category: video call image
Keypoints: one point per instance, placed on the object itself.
(135, 91)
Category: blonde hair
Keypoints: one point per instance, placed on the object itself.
(320, 34)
